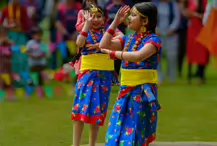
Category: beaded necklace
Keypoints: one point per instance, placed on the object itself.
(93, 36)
(138, 42)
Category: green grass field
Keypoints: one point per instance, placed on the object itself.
(188, 113)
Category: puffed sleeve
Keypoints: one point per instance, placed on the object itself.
(156, 41)
(122, 41)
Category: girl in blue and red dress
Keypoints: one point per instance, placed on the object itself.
(95, 78)
(80, 24)
(134, 117)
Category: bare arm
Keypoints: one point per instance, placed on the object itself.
(147, 51)
(118, 35)
(58, 24)
(81, 40)
(106, 41)
(187, 13)
(115, 39)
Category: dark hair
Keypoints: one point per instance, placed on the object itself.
(148, 9)
(84, 4)
(36, 30)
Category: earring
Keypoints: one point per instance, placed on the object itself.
(143, 29)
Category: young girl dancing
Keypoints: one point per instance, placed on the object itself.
(95, 78)
(134, 117)
(79, 25)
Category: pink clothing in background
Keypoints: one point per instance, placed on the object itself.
(79, 26)
(80, 21)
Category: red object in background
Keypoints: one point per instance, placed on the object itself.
(208, 35)
(80, 21)
(63, 73)
(23, 17)
(196, 53)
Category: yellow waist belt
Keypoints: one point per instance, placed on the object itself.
(131, 77)
(97, 62)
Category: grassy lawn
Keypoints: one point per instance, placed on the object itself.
(188, 114)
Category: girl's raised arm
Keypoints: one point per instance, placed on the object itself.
(81, 39)
(106, 41)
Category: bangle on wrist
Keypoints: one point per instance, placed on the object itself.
(84, 33)
(112, 55)
(110, 31)
(122, 53)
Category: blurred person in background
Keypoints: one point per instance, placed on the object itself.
(16, 20)
(102, 3)
(168, 24)
(37, 58)
(5, 63)
(2, 5)
(182, 31)
(38, 5)
(196, 53)
(66, 20)
(111, 9)
(33, 12)
(51, 8)
(50, 13)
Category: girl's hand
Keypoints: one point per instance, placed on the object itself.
(87, 17)
(106, 51)
(93, 46)
(122, 15)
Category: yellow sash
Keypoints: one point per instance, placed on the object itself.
(131, 77)
(97, 62)
(11, 15)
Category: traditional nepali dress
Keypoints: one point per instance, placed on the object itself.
(134, 117)
(93, 85)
